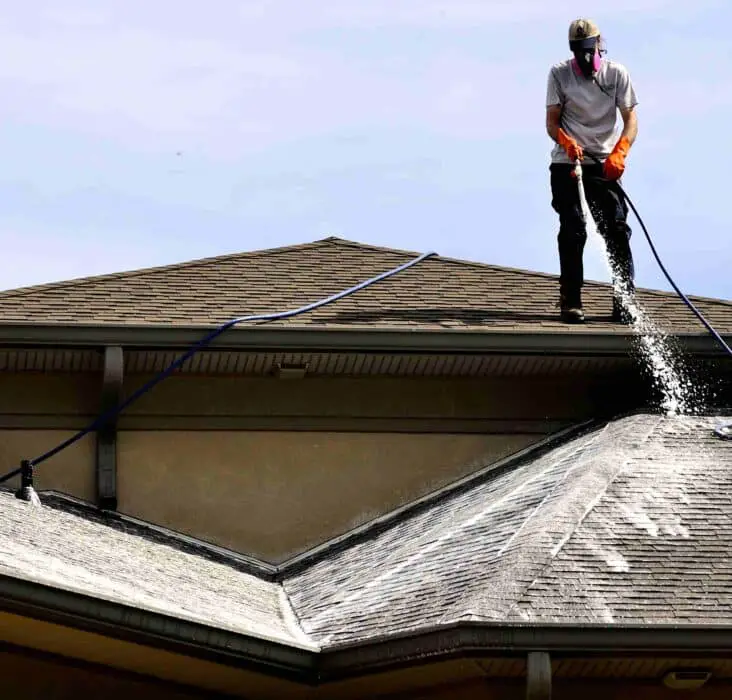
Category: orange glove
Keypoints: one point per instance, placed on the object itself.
(615, 162)
(573, 149)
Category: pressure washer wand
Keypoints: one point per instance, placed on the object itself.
(578, 170)
(580, 185)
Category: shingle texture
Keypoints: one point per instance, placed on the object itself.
(627, 524)
(75, 552)
(438, 293)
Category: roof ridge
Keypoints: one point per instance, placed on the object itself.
(127, 274)
(348, 243)
(328, 240)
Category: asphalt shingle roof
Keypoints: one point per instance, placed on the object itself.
(72, 550)
(627, 524)
(438, 293)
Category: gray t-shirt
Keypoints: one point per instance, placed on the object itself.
(589, 115)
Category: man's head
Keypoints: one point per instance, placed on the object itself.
(584, 42)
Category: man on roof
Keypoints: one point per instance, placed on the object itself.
(584, 95)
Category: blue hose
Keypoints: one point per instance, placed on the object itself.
(104, 417)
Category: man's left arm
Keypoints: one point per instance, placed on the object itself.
(630, 124)
(626, 101)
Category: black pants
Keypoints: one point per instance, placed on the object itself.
(610, 213)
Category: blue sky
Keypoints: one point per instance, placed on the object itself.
(138, 133)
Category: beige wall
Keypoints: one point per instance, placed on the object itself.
(73, 398)
(498, 398)
(273, 494)
(70, 471)
(48, 394)
(270, 467)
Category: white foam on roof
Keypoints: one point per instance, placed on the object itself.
(66, 551)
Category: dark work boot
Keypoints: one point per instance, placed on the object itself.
(571, 309)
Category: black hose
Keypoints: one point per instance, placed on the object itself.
(724, 431)
(683, 297)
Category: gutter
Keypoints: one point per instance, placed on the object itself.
(127, 623)
(340, 662)
(305, 338)
(471, 639)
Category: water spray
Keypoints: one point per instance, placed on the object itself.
(653, 343)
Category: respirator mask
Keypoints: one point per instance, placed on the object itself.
(584, 42)
(587, 57)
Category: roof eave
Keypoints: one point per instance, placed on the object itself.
(90, 614)
(340, 662)
(577, 342)
(473, 638)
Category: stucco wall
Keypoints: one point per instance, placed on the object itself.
(271, 467)
(272, 494)
(70, 471)
(48, 394)
(505, 397)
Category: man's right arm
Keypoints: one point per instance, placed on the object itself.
(553, 105)
(553, 128)
(553, 117)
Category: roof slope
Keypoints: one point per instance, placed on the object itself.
(77, 552)
(438, 293)
(625, 524)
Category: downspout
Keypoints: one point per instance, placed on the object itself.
(538, 676)
(106, 458)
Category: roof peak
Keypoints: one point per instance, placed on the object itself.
(302, 246)
(167, 267)
(207, 260)
(443, 292)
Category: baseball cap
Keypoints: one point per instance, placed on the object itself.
(583, 34)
